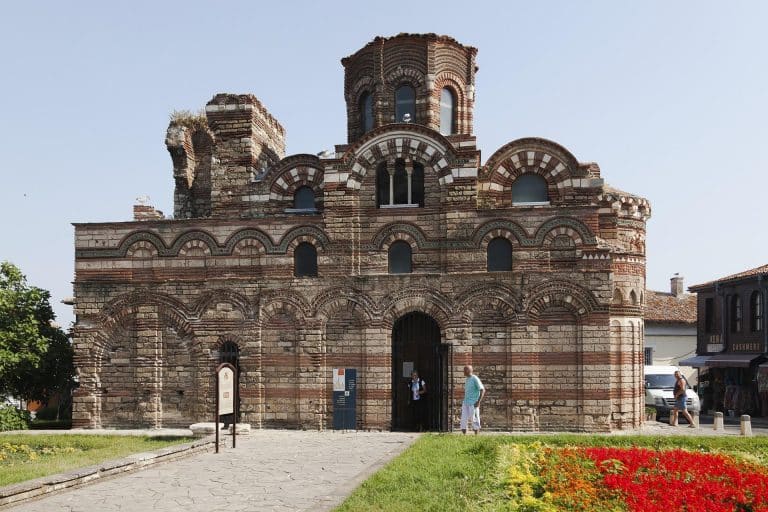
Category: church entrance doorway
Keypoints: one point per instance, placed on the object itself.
(416, 345)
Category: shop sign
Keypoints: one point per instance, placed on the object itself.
(747, 347)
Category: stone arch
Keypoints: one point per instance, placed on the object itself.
(501, 296)
(407, 141)
(423, 300)
(117, 309)
(538, 156)
(212, 299)
(405, 75)
(271, 302)
(565, 294)
(633, 298)
(295, 236)
(333, 300)
(142, 249)
(407, 232)
(363, 84)
(577, 230)
(531, 153)
(194, 249)
(508, 229)
(249, 247)
(618, 297)
(252, 238)
(201, 239)
(141, 236)
(294, 172)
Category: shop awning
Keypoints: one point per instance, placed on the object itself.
(695, 361)
(733, 360)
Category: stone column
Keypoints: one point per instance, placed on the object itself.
(149, 366)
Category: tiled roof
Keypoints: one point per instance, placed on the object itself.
(747, 273)
(665, 308)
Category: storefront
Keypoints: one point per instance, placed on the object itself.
(730, 383)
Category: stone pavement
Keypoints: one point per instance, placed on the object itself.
(270, 470)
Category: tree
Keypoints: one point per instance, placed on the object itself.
(35, 355)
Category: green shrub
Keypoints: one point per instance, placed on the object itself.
(12, 418)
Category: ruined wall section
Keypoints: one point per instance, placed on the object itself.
(190, 144)
(248, 141)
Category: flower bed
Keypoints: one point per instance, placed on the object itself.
(542, 478)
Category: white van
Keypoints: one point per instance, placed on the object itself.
(659, 390)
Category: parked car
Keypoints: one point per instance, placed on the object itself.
(659, 390)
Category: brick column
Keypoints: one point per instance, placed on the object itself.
(149, 366)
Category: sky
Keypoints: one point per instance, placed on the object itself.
(669, 98)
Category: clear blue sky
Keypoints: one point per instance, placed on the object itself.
(670, 98)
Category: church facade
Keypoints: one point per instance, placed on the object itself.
(399, 250)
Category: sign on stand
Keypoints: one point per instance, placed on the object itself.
(227, 391)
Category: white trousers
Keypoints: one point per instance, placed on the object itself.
(470, 411)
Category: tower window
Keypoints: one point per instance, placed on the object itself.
(447, 112)
(400, 258)
(405, 104)
(304, 198)
(756, 311)
(305, 260)
(366, 112)
(499, 255)
(530, 188)
(400, 184)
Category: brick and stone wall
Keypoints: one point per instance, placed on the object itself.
(557, 339)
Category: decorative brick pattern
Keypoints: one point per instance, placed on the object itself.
(557, 339)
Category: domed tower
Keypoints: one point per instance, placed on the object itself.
(425, 79)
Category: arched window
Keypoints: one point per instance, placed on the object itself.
(530, 188)
(447, 112)
(499, 255)
(304, 198)
(400, 258)
(401, 184)
(305, 260)
(736, 313)
(405, 103)
(756, 311)
(633, 298)
(366, 112)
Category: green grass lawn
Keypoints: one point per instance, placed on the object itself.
(444, 472)
(23, 457)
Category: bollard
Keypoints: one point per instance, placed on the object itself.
(695, 416)
(718, 425)
(746, 425)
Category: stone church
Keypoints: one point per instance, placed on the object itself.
(399, 250)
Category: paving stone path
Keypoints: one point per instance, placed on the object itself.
(270, 470)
